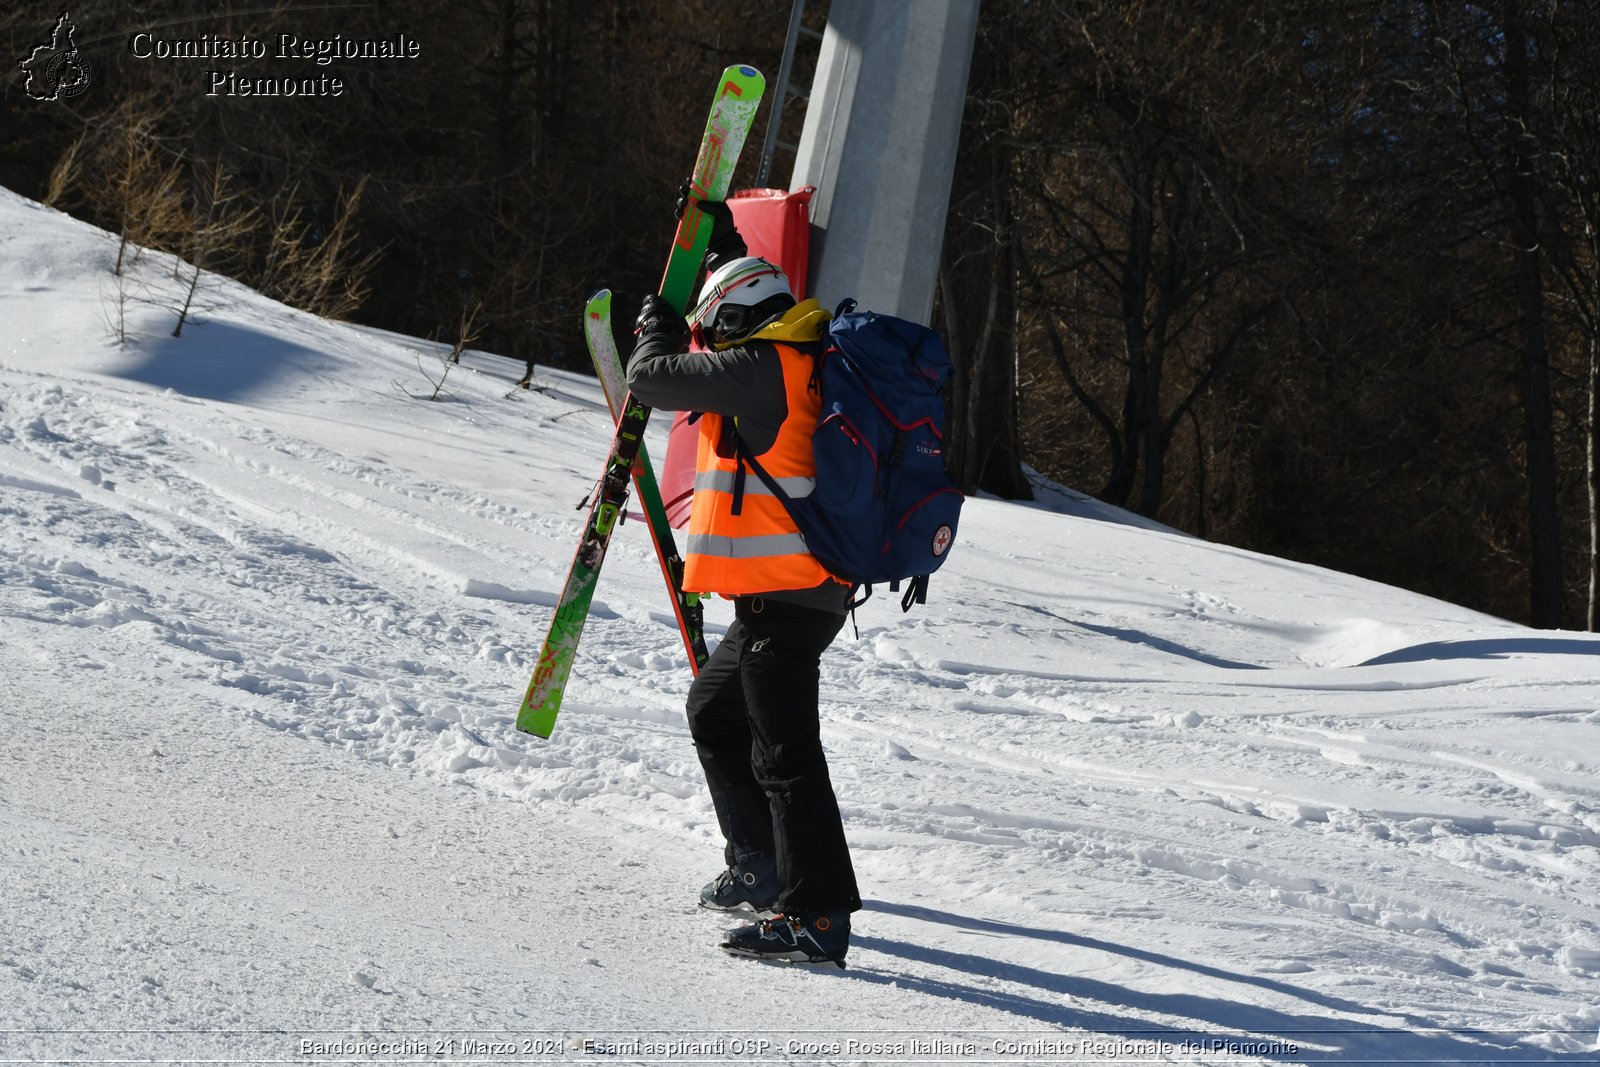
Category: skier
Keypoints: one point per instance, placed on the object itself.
(753, 710)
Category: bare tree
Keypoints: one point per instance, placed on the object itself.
(1147, 212)
(218, 230)
(320, 269)
(466, 334)
(137, 181)
(66, 173)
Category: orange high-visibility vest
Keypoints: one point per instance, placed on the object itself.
(760, 549)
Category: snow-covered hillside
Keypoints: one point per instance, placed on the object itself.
(1115, 794)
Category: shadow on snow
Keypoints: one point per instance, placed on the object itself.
(1490, 648)
(1139, 637)
(219, 361)
(1062, 999)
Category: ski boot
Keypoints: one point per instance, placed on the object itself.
(806, 937)
(751, 885)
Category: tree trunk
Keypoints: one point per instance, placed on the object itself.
(973, 417)
(1592, 462)
(506, 102)
(1157, 435)
(1544, 516)
(1135, 295)
(978, 292)
(995, 444)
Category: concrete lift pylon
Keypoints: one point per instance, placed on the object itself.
(882, 123)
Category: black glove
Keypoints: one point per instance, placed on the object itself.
(725, 243)
(660, 320)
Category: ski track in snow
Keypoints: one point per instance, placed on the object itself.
(1108, 778)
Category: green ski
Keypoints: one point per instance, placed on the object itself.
(733, 111)
(613, 381)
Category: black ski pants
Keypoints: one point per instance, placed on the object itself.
(753, 716)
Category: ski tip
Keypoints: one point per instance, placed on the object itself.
(742, 78)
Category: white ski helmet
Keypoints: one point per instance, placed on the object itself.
(739, 298)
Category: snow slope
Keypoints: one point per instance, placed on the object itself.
(1115, 794)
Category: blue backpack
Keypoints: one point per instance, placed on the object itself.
(883, 509)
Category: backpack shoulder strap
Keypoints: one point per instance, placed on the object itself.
(748, 460)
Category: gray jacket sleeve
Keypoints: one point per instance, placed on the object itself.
(745, 382)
